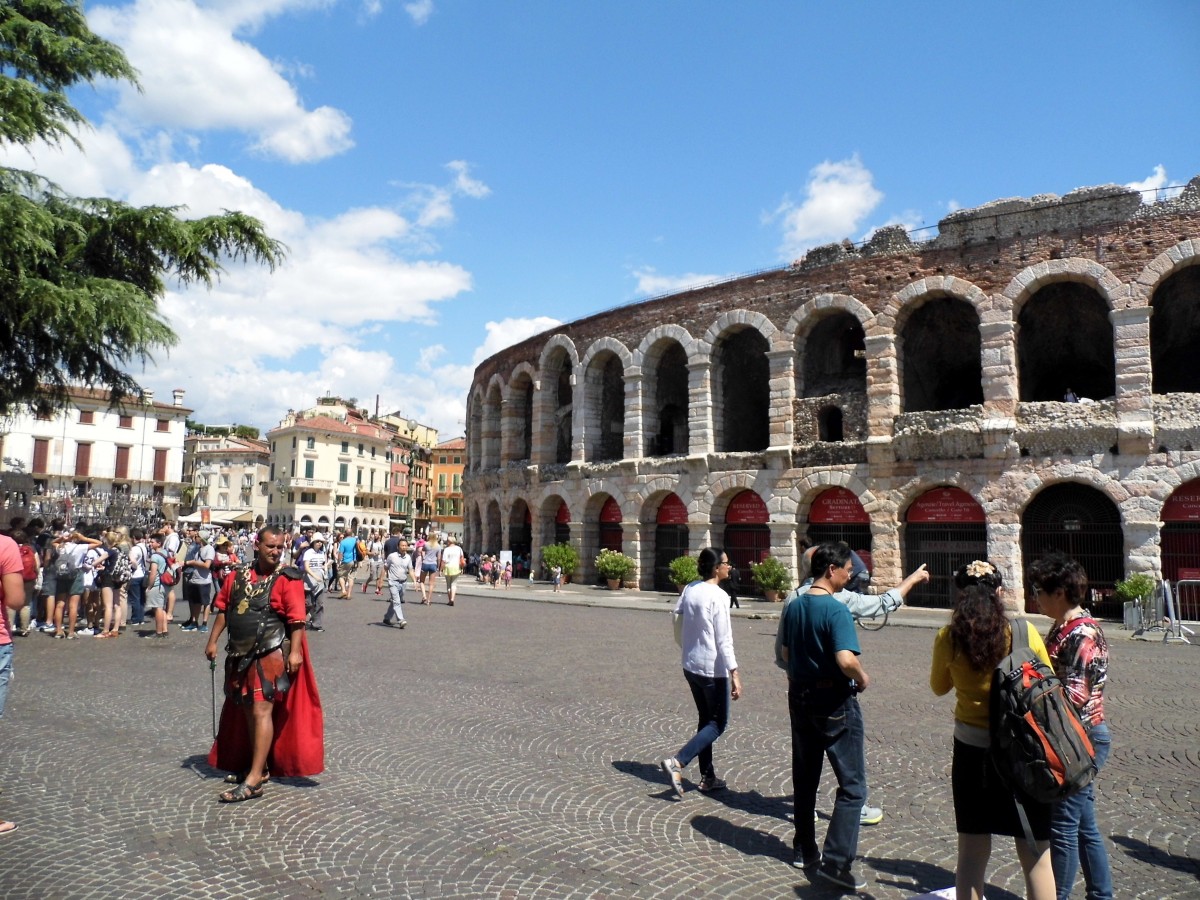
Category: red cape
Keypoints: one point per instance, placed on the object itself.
(298, 748)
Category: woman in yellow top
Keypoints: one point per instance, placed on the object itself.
(964, 654)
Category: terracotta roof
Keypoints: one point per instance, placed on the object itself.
(124, 403)
(458, 443)
(336, 426)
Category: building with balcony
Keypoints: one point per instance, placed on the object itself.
(447, 463)
(330, 467)
(412, 498)
(1023, 382)
(92, 462)
(229, 478)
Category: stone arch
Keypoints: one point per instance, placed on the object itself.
(1175, 329)
(610, 344)
(604, 368)
(1168, 263)
(796, 503)
(939, 352)
(1036, 482)
(813, 310)
(736, 320)
(493, 540)
(740, 381)
(554, 404)
(665, 393)
(547, 511)
(520, 531)
(657, 335)
(1080, 271)
(475, 429)
(517, 423)
(1065, 339)
(490, 434)
(713, 501)
(901, 304)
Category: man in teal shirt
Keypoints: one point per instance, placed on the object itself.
(820, 647)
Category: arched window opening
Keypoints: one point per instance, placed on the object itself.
(521, 404)
(1175, 333)
(1065, 343)
(940, 351)
(1180, 536)
(495, 536)
(475, 434)
(1078, 520)
(747, 537)
(829, 424)
(835, 357)
(520, 537)
(669, 403)
(562, 414)
(491, 428)
(606, 408)
(742, 384)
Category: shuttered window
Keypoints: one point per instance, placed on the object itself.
(41, 455)
(160, 465)
(83, 460)
(122, 468)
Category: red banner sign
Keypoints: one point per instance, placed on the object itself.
(1183, 505)
(611, 513)
(747, 508)
(672, 511)
(946, 505)
(564, 515)
(838, 506)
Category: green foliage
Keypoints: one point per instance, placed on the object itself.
(1135, 587)
(771, 575)
(684, 570)
(80, 279)
(614, 564)
(242, 431)
(563, 555)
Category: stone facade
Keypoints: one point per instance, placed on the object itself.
(828, 374)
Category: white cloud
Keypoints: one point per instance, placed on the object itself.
(650, 283)
(197, 75)
(420, 10)
(507, 332)
(464, 183)
(1155, 187)
(838, 196)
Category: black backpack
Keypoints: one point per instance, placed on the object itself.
(1039, 745)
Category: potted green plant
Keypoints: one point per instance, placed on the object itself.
(1134, 591)
(772, 578)
(614, 566)
(683, 571)
(563, 556)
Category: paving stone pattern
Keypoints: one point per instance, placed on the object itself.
(509, 749)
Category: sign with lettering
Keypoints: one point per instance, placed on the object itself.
(611, 512)
(564, 515)
(747, 508)
(1184, 504)
(838, 506)
(949, 505)
(672, 511)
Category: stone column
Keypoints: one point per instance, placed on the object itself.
(1004, 552)
(781, 398)
(578, 423)
(634, 438)
(541, 450)
(631, 546)
(1135, 414)
(783, 547)
(883, 400)
(701, 437)
(886, 560)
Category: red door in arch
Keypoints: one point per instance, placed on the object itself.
(747, 536)
(838, 515)
(945, 528)
(610, 525)
(670, 540)
(562, 525)
(1181, 547)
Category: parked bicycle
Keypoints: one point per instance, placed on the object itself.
(875, 622)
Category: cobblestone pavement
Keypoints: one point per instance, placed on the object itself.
(509, 749)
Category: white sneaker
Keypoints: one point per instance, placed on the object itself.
(85, 632)
(675, 773)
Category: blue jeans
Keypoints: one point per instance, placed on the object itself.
(827, 723)
(6, 669)
(136, 592)
(711, 696)
(1074, 837)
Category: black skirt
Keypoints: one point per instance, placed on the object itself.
(984, 804)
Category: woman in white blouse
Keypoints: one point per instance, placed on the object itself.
(709, 665)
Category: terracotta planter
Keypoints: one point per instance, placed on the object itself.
(774, 596)
(614, 584)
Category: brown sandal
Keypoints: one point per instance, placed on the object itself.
(244, 791)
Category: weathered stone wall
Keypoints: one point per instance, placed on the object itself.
(1135, 447)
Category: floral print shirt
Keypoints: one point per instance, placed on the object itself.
(1079, 653)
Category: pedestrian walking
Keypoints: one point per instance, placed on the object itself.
(399, 567)
(709, 667)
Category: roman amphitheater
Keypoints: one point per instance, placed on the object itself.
(1026, 380)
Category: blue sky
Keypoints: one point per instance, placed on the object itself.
(454, 176)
